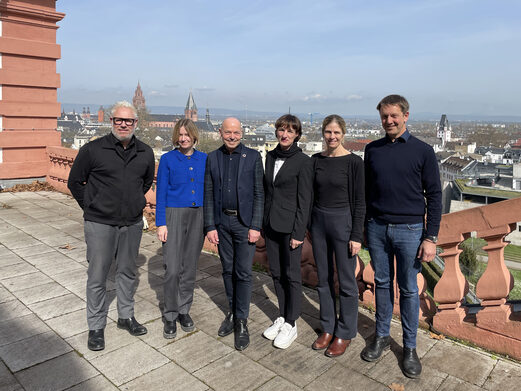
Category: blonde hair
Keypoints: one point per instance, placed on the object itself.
(190, 128)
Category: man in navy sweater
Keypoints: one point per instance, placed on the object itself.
(402, 187)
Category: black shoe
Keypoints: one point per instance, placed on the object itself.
(411, 363)
(132, 326)
(96, 340)
(242, 336)
(226, 326)
(374, 350)
(187, 324)
(170, 329)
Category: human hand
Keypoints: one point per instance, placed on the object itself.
(294, 243)
(354, 247)
(427, 251)
(253, 235)
(162, 233)
(213, 236)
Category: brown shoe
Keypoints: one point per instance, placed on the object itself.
(337, 347)
(322, 341)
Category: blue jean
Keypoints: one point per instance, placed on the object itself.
(385, 242)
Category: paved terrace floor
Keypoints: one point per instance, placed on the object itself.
(43, 330)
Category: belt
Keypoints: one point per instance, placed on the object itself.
(230, 212)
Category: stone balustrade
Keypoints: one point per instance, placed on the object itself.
(494, 326)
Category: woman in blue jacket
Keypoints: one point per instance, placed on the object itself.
(179, 221)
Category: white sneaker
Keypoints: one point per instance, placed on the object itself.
(286, 336)
(272, 331)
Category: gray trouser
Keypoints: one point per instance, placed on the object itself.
(180, 254)
(104, 243)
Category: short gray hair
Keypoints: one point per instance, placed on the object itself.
(123, 104)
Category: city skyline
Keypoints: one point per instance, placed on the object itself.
(456, 57)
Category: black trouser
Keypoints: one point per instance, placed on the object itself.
(330, 232)
(236, 258)
(285, 270)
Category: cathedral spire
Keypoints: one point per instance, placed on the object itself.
(191, 108)
(139, 100)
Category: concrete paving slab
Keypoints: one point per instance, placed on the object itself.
(33, 350)
(223, 373)
(9, 258)
(97, 383)
(453, 383)
(144, 312)
(166, 378)
(299, 364)
(41, 293)
(17, 329)
(210, 286)
(13, 309)
(279, 384)
(5, 295)
(51, 269)
(335, 379)
(450, 358)
(195, 351)
(48, 257)
(71, 277)
(33, 250)
(7, 381)
(18, 269)
(504, 376)
(114, 339)
(57, 374)
(69, 324)
(139, 359)
(57, 306)
(155, 338)
(21, 282)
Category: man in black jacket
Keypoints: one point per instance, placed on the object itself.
(109, 179)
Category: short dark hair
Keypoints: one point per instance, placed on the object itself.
(291, 122)
(397, 100)
(334, 118)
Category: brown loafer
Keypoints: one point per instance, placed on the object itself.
(322, 341)
(337, 347)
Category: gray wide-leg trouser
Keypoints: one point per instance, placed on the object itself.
(180, 254)
(104, 243)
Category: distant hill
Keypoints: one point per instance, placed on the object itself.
(220, 113)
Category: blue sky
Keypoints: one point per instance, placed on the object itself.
(450, 56)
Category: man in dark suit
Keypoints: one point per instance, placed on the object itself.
(233, 207)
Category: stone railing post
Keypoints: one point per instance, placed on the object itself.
(451, 288)
(496, 282)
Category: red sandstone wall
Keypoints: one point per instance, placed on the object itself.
(28, 104)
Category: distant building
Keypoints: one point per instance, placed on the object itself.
(191, 108)
(138, 100)
(444, 130)
(164, 121)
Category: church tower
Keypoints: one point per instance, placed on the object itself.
(191, 108)
(139, 100)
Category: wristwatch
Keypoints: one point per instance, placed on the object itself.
(431, 238)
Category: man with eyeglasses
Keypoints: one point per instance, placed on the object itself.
(109, 179)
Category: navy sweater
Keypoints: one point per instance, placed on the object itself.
(403, 182)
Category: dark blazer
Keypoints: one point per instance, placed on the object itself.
(250, 192)
(288, 198)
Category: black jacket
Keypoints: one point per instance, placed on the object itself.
(250, 192)
(110, 183)
(288, 197)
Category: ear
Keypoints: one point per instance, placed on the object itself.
(406, 117)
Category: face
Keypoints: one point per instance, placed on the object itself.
(286, 137)
(393, 120)
(185, 141)
(333, 135)
(231, 133)
(124, 130)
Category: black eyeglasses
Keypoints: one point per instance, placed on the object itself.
(128, 121)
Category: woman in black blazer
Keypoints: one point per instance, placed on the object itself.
(287, 188)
